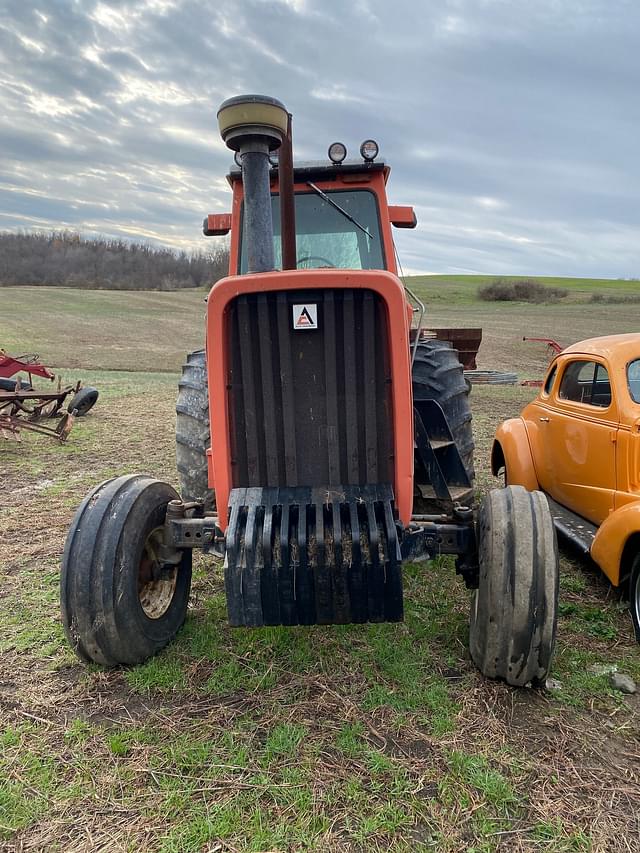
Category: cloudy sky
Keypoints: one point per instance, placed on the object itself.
(511, 125)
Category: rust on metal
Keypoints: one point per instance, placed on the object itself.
(465, 341)
(554, 347)
(26, 408)
(287, 202)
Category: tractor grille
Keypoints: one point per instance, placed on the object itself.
(310, 407)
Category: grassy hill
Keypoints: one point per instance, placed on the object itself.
(464, 288)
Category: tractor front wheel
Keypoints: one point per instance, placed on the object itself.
(514, 610)
(120, 602)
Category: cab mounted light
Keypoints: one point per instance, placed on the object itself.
(369, 150)
(274, 157)
(337, 152)
(238, 159)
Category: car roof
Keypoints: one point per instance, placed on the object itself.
(615, 347)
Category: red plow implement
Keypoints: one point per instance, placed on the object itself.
(24, 407)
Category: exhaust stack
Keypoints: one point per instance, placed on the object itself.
(253, 126)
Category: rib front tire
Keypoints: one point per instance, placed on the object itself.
(514, 610)
(120, 604)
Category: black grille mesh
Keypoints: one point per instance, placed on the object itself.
(310, 407)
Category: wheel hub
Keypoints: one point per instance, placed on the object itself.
(156, 582)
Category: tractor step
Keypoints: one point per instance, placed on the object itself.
(305, 556)
(440, 473)
(458, 494)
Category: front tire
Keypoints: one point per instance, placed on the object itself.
(119, 603)
(514, 610)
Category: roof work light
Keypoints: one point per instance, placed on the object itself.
(337, 152)
(369, 149)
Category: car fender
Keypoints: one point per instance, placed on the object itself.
(613, 534)
(511, 448)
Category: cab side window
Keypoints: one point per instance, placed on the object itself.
(586, 382)
(548, 385)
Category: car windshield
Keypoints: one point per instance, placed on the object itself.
(328, 237)
(633, 378)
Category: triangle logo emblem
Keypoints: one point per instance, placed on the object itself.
(305, 316)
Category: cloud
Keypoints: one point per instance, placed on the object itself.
(511, 126)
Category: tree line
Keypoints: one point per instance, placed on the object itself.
(68, 259)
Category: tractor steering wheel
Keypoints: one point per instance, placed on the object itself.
(325, 262)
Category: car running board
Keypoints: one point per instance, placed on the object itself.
(572, 526)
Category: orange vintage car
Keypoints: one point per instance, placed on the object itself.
(579, 442)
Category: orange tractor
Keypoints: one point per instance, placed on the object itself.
(321, 441)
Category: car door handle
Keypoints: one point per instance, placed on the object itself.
(544, 420)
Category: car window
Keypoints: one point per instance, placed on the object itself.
(549, 383)
(586, 382)
(633, 378)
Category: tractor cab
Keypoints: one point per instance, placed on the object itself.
(342, 218)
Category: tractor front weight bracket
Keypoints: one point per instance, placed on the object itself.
(426, 540)
(186, 526)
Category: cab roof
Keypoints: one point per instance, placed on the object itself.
(321, 170)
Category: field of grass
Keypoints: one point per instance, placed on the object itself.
(355, 738)
(463, 288)
(150, 331)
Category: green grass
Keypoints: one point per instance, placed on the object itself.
(462, 289)
(83, 330)
(27, 623)
(377, 737)
(552, 835)
(101, 330)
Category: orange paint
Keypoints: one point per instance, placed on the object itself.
(584, 443)
(391, 291)
(376, 182)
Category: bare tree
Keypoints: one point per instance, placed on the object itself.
(67, 259)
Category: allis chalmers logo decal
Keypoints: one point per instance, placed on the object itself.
(305, 317)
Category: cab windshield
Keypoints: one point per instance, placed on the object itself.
(325, 236)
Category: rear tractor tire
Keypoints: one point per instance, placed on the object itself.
(514, 610)
(437, 374)
(120, 604)
(192, 431)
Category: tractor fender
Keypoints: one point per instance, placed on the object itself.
(609, 544)
(511, 450)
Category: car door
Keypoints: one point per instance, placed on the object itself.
(577, 438)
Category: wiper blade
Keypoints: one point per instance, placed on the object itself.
(345, 213)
